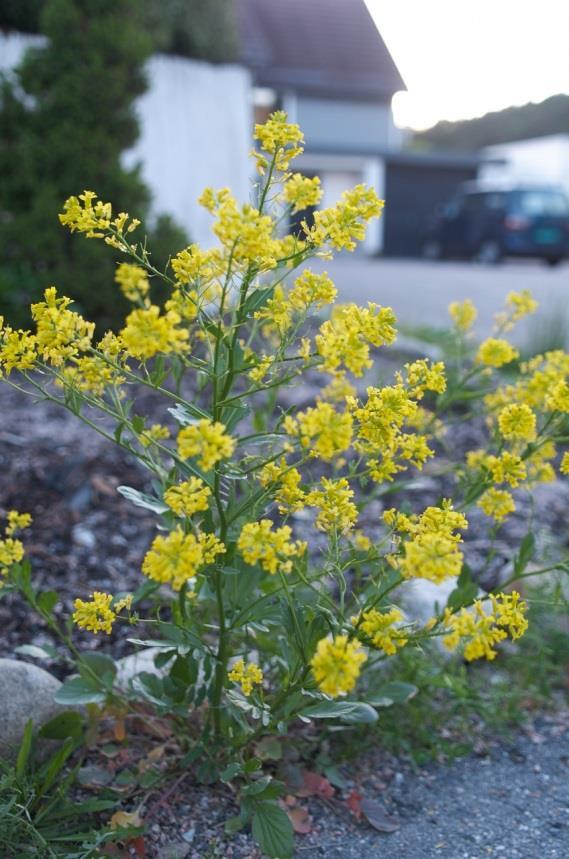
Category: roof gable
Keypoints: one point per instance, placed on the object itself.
(318, 47)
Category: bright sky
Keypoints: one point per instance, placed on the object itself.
(462, 58)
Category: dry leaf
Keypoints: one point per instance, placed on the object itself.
(354, 802)
(377, 817)
(300, 819)
(119, 730)
(124, 819)
(316, 785)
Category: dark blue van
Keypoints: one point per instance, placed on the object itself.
(488, 225)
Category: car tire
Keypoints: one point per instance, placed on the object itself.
(432, 250)
(489, 252)
(553, 261)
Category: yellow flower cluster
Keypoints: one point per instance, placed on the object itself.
(495, 353)
(520, 304)
(147, 333)
(206, 440)
(432, 551)
(245, 233)
(380, 630)
(301, 191)
(281, 140)
(188, 497)
(86, 214)
(91, 374)
(481, 630)
(193, 265)
(517, 422)
(179, 557)
(345, 338)
(337, 512)
(312, 290)
(497, 503)
(17, 349)
(424, 376)
(11, 550)
(247, 675)
(344, 224)
(463, 314)
(133, 281)
(286, 482)
(155, 433)
(271, 548)
(61, 333)
(322, 430)
(336, 665)
(100, 612)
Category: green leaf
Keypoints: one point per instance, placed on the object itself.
(396, 692)
(187, 413)
(36, 652)
(257, 299)
(272, 830)
(230, 771)
(99, 664)
(25, 749)
(354, 712)
(47, 601)
(79, 691)
(142, 500)
(525, 554)
(465, 592)
(67, 724)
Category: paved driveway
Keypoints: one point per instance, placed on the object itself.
(420, 291)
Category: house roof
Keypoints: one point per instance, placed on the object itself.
(317, 47)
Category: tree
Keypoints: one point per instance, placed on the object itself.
(66, 116)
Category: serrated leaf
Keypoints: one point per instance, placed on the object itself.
(272, 830)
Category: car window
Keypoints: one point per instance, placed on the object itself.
(536, 203)
(494, 201)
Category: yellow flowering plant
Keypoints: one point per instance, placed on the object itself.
(274, 606)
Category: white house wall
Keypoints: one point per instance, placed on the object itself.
(539, 159)
(195, 130)
(342, 125)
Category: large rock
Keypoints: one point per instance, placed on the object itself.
(26, 692)
(137, 663)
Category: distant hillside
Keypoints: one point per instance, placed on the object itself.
(515, 123)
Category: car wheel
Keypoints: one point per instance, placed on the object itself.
(489, 253)
(432, 250)
(553, 261)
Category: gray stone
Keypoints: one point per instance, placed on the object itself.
(26, 692)
(174, 850)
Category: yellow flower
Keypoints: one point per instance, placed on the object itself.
(337, 512)
(557, 400)
(424, 376)
(344, 339)
(188, 498)
(312, 290)
(87, 216)
(496, 353)
(258, 373)
(497, 503)
(430, 556)
(463, 314)
(193, 264)
(517, 422)
(155, 433)
(288, 495)
(344, 224)
(272, 549)
(17, 350)
(380, 630)
(280, 139)
(179, 557)
(133, 281)
(507, 468)
(521, 304)
(11, 552)
(91, 374)
(147, 333)
(481, 630)
(301, 192)
(95, 615)
(207, 440)
(247, 676)
(17, 522)
(60, 333)
(244, 231)
(323, 430)
(564, 467)
(336, 665)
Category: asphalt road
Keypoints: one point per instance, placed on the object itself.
(420, 291)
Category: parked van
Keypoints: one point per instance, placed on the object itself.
(490, 224)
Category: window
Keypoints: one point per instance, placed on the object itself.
(536, 203)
